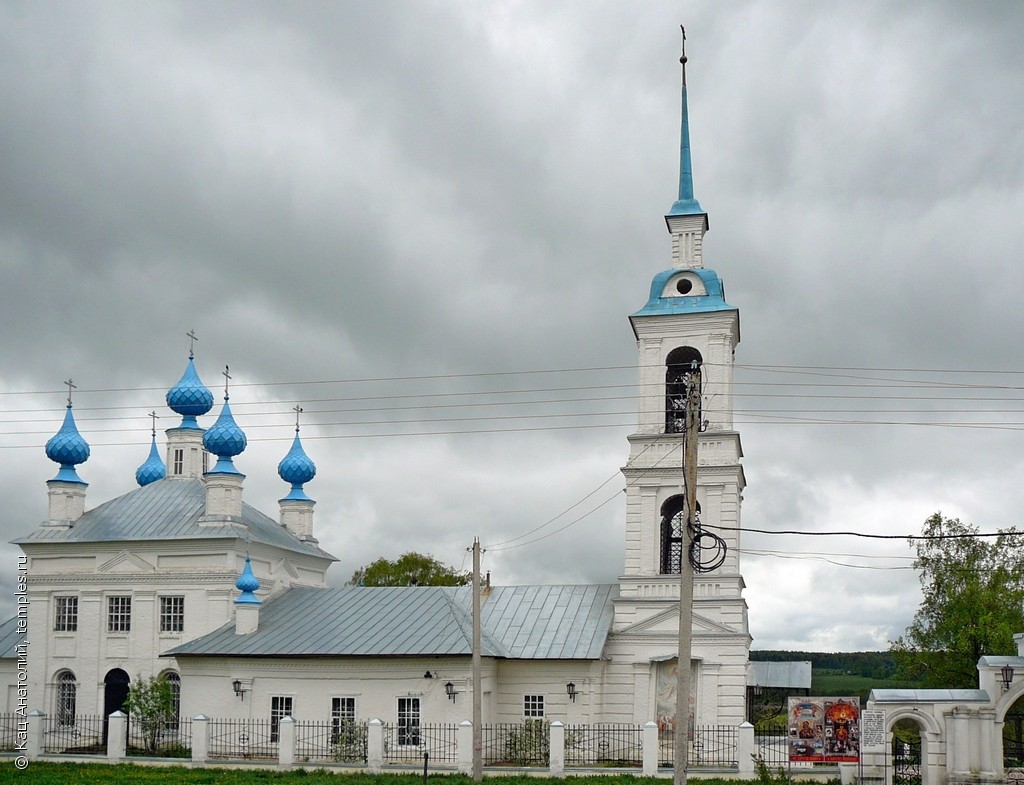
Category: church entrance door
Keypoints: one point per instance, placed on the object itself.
(115, 692)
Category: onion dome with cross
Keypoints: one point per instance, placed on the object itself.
(190, 397)
(225, 439)
(296, 467)
(153, 469)
(248, 584)
(67, 447)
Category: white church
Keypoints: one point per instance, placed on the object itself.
(180, 576)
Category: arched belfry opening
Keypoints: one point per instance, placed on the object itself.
(678, 365)
(673, 525)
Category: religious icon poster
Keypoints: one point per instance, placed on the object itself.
(824, 730)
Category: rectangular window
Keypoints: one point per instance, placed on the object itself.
(408, 722)
(533, 705)
(280, 707)
(206, 461)
(172, 614)
(343, 718)
(65, 617)
(179, 461)
(119, 614)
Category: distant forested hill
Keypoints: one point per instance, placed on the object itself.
(869, 664)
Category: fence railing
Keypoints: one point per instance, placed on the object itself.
(404, 744)
(84, 735)
(709, 746)
(337, 742)
(516, 743)
(243, 739)
(604, 745)
(160, 738)
(9, 727)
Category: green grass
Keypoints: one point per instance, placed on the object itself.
(47, 773)
(838, 684)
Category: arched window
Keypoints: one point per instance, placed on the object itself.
(174, 680)
(673, 528)
(678, 365)
(66, 698)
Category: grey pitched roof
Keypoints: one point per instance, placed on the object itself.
(10, 638)
(168, 509)
(794, 674)
(928, 696)
(528, 622)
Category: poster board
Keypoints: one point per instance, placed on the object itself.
(872, 731)
(824, 730)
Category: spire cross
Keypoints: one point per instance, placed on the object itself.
(682, 56)
(191, 335)
(227, 378)
(154, 415)
(298, 410)
(71, 386)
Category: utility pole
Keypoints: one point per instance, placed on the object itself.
(691, 427)
(478, 757)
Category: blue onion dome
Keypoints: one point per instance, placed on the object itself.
(68, 448)
(153, 469)
(247, 583)
(296, 468)
(225, 440)
(190, 397)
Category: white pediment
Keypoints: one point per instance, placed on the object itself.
(126, 562)
(667, 622)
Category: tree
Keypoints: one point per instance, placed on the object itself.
(410, 569)
(973, 603)
(151, 704)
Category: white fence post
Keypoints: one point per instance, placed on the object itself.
(117, 728)
(375, 746)
(556, 749)
(650, 746)
(36, 729)
(200, 738)
(745, 749)
(286, 742)
(464, 747)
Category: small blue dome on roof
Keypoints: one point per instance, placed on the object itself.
(685, 290)
(190, 397)
(296, 468)
(153, 469)
(225, 440)
(247, 583)
(68, 448)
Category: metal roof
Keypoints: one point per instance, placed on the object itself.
(10, 638)
(518, 622)
(791, 675)
(169, 509)
(928, 696)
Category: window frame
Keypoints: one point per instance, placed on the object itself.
(65, 698)
(172, 619)
(343, 713)
(409, 721)
(119, 613)
(281, 706)
(65, 613)
(533, 706)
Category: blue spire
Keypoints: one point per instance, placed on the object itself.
(296, 467)
(190, 397)
(247, 583)
(686, 204)
(68, 448)
(153, 469)
(225, 440)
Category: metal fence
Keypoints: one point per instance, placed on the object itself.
(160, 738)
(341, 742)
(516, 744)
(710, 746)
(85, 736)
(243, 739)
(9, 726)
(604, 745)
(407, 744)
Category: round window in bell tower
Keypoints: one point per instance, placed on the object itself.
(684, 286)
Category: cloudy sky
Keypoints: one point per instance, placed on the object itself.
(424, 221)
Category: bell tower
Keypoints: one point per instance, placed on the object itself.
(685, 330)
